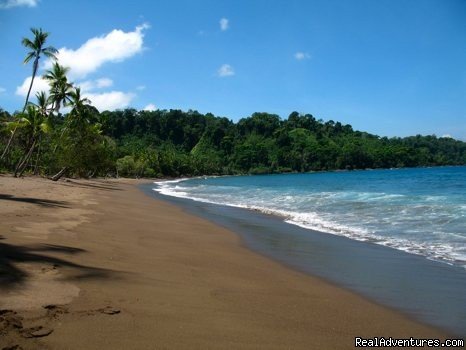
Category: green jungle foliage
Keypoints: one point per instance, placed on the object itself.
(86, 143)
(175, 143)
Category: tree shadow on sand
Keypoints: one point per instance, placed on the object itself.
(12, 276)
(39, 201)
(92, 185)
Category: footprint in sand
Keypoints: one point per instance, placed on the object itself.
(13, 347)
(54, 311)
(36, 332)
(108, 310)
(10, 320)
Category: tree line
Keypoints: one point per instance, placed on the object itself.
(84, 142)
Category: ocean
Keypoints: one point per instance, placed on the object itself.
(395, 236)
(420, 211)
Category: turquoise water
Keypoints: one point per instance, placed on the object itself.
(420, 211)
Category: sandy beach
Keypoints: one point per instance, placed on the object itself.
(100, 265)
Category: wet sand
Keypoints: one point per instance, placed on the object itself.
(101, 265)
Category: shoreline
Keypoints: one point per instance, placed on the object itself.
(285, 216)
(424, 290)
(123, 270)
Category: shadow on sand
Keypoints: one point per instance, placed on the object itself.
(12, 276)
(99, 185)
(39, 201)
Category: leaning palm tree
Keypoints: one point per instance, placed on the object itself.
(34, 123)
(37, 48)
(60, 88)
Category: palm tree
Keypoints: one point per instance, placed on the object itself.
(60, 88)
(42, 103)
(79, 103)
(37, 48)
(34, 123)
(43, 108)
(77, 120)
(80, 106)
(81, 111)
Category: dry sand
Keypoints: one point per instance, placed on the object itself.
(100, 265)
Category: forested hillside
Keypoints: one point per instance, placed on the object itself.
(189, 143)
(177, 143)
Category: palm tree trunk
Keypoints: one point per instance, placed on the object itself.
(34, 72)
(58, 175)
(22, 166)
(5, 151)
(38, 156)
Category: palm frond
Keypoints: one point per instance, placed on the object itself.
(46, 126)
(28, 43)
(50, 52)
(29, 57)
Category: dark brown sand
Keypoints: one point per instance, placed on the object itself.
(100, 265)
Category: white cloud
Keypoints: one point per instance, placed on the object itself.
(39, 85)
(89, 85)
(2, 90)
(150, 107)
(447, 136)
(302, 56)
(109, 101)
(115, 46)
(6, 4)
(141, 87)
(104, 82)
(224, 24)
(101, 100)
(225, 71)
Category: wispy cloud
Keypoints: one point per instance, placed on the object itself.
(150, 107)
(2, 90)
(6, 4)
(225, 71)
(302, 56)
(115, 46)
(224, 24)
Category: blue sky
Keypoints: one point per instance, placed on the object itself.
(392, 68)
